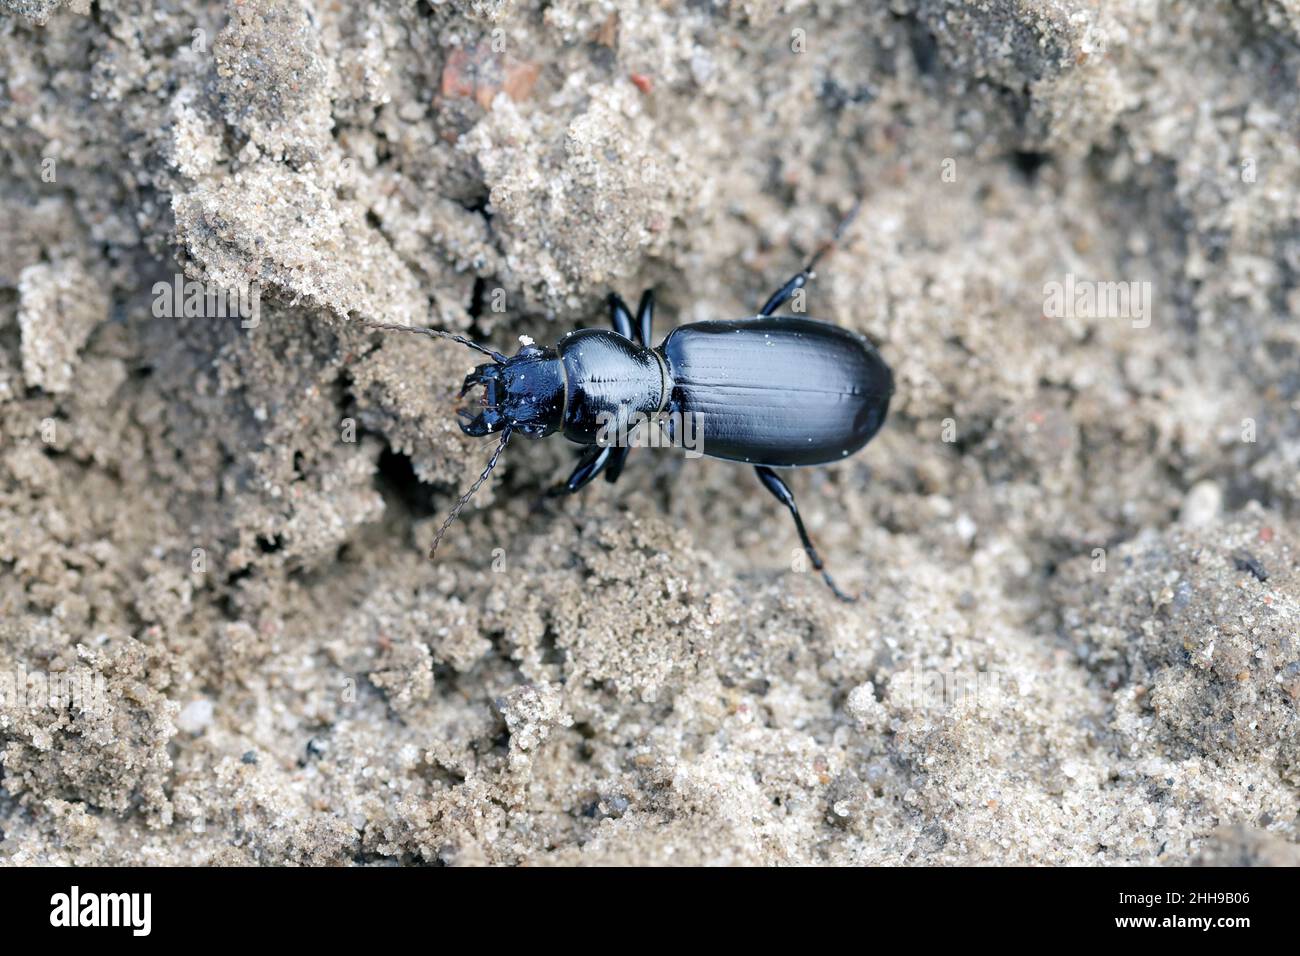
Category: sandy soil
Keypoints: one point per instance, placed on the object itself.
(1077, 532)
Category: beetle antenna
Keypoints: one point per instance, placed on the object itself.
(437, 333)
(464, 499)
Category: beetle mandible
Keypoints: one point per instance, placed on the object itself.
(771, 391)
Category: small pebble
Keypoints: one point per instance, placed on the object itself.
(195, 716)
(1201, 505)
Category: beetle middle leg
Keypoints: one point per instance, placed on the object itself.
(645, 318)
(773, 483)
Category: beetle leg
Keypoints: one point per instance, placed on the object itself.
(782, 294)
(619, 316)
(645, 319)
(773, 483)
(801, 278)
(614, 467)
(591, 465)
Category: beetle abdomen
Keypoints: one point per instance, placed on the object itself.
(778, 391)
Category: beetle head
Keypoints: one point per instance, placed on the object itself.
(524, 393)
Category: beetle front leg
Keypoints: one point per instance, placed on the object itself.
(773, 483)
(619, 316)
(645, 318)
(614, 467)
(588, 468)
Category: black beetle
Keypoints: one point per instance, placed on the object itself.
(771, 391)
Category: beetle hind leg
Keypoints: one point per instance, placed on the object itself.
(781, 295)
(802, 277)
(781, 491)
